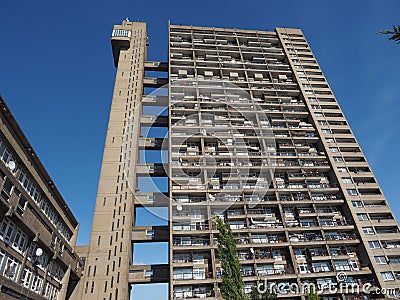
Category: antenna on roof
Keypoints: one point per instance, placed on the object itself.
(127, 19)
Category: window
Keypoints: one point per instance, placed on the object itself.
(387, 276)
(6, 230)
(7, 157)
(29, 186)
(57, 272)
(321, 267)
(352, 192)
(21, 204)
(11, 267)
(380, 260)
(342, 170)
(368, 230)
(362, 217)
(49, 212)
(337, 159)
(315, 107)
(347, 180)
(36, 284)
(20, 241)
(300, 253)
(42, 261)
(326, 131)
(11, 234)
(26, 277)
(391, 260)
(374, 244)
(356, 203)
(8, 186)
(51, 292)
(341, 265)
(121, 33)
(333, 149)
(304, 268)
(329, 140)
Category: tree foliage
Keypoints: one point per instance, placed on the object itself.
(267, 295)
(312, 295)
(395, 33)
(232, 281)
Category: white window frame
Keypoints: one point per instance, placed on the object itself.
(387, 276)
(374, 245)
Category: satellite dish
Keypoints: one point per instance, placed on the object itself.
(179, 207)
(11, 165)
(39, 252)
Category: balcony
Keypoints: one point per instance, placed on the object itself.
(265, 224)
(176, 227)
(306, 237)
(190, 293)
(190, 242)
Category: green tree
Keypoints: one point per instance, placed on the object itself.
(395, 33)
(268, 295)
(312, 295)
(232, 281)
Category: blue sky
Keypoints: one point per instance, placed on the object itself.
(57, 76)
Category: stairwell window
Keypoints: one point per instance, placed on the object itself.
(387, 276)
(374, 245)
(352, 192)
(356, 203)
(368, 230)
(380, 260)
(347, 180)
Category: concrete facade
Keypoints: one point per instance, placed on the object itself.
(255, 136)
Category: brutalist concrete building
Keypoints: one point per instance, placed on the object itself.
(256, 137)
